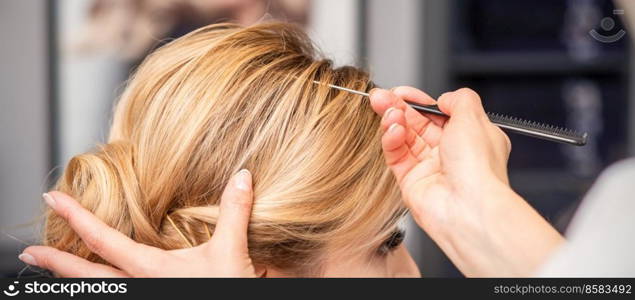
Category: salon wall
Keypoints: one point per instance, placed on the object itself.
(24, 123)
(88, 84)
(335, 27)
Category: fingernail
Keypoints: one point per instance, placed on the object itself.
(243, 180)
(373, 91)
(50, 201)
(27, 259)
(393, 127)
(388, 112)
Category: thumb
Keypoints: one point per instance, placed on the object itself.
(461, 103)
(235, 211)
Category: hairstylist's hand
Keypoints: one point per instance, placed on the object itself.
(225, 255)
(453, 177)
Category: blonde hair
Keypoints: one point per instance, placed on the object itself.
(223, 98)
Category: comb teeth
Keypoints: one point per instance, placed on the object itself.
(537, 129)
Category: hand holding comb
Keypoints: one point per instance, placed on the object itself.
(508, 123)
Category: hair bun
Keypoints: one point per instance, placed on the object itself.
(105, 182)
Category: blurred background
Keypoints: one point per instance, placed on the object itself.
(566, 62)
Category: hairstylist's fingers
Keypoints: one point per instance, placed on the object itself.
(419, 124)
(415, 143)
(396, 151)
(415, 95)
(384, 102)
(430, 131)
(109, 244)
(235, 210)
(381, 100)
(464, 102)
(65, 264)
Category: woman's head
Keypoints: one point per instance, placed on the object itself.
(224, 98)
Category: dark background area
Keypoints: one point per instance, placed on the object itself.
(532, 59)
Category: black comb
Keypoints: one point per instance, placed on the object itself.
(511, 124)
(521, 126)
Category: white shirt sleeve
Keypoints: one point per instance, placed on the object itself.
(601, 236)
